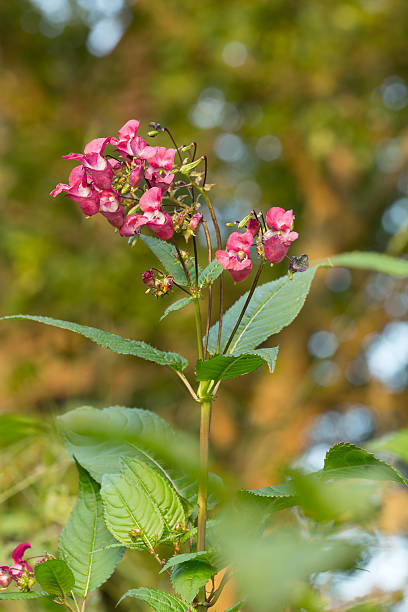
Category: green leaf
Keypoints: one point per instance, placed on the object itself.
(395, 444)
(113, 342)
(349, 461)
(202, 555)
(99, 438)
(84, 534)
(16, 427)
(278, 497)
(187, 578)
(176, 306)
(225, 367)
(273, 306)
(167, 254)
(377, 262)
(162, 494)
(210, 274)
(158, 600)
(18, 595)
(140, 501)
(55, 576)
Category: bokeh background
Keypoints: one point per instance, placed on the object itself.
(298, 104)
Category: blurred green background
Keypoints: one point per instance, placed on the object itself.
(298, 104)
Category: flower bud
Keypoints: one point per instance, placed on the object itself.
(195, 221)
(149, 278)
(5, 580)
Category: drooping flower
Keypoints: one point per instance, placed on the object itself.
(80, 190)
(236, 257)
(97, 166)
(278, 239)
(156, 219)
(111, 208)
(18, 570)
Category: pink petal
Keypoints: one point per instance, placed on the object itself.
(73, 156)
(150, 200)
(96, 145)
(253, 226)
(59, 189)
(129, 130)
(162, 230)
(279, 219)
(274, 247)
(240, 242)
(18, 552)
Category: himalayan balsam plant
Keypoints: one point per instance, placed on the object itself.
(146, 488)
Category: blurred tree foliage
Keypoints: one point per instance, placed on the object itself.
(299, 104)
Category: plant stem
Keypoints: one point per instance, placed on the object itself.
(183, 263)
(217, 593)
(219, 245)
(199, 330)
(250, 294)
(210, 289)
(205, 401)
(195, 259)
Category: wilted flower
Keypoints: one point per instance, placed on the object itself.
(236, 258)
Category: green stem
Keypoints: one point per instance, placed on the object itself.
(219, 246)
(250, 294)
(205, 401)
(199, 330)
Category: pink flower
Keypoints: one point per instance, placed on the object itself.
(133, 147)
(280, 219)
(278, 239)
(129, 130)
(160, 157)
(111, 208)
(128, 143)
(156, 219)
(236, 257)
(80, 191)
(19, 567)
(156, 179)
(109, 201)
(97, 167)
(274, 248)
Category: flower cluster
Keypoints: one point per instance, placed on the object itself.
(157, 282)
(128, 186)
(273, 241)
(20, 571)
